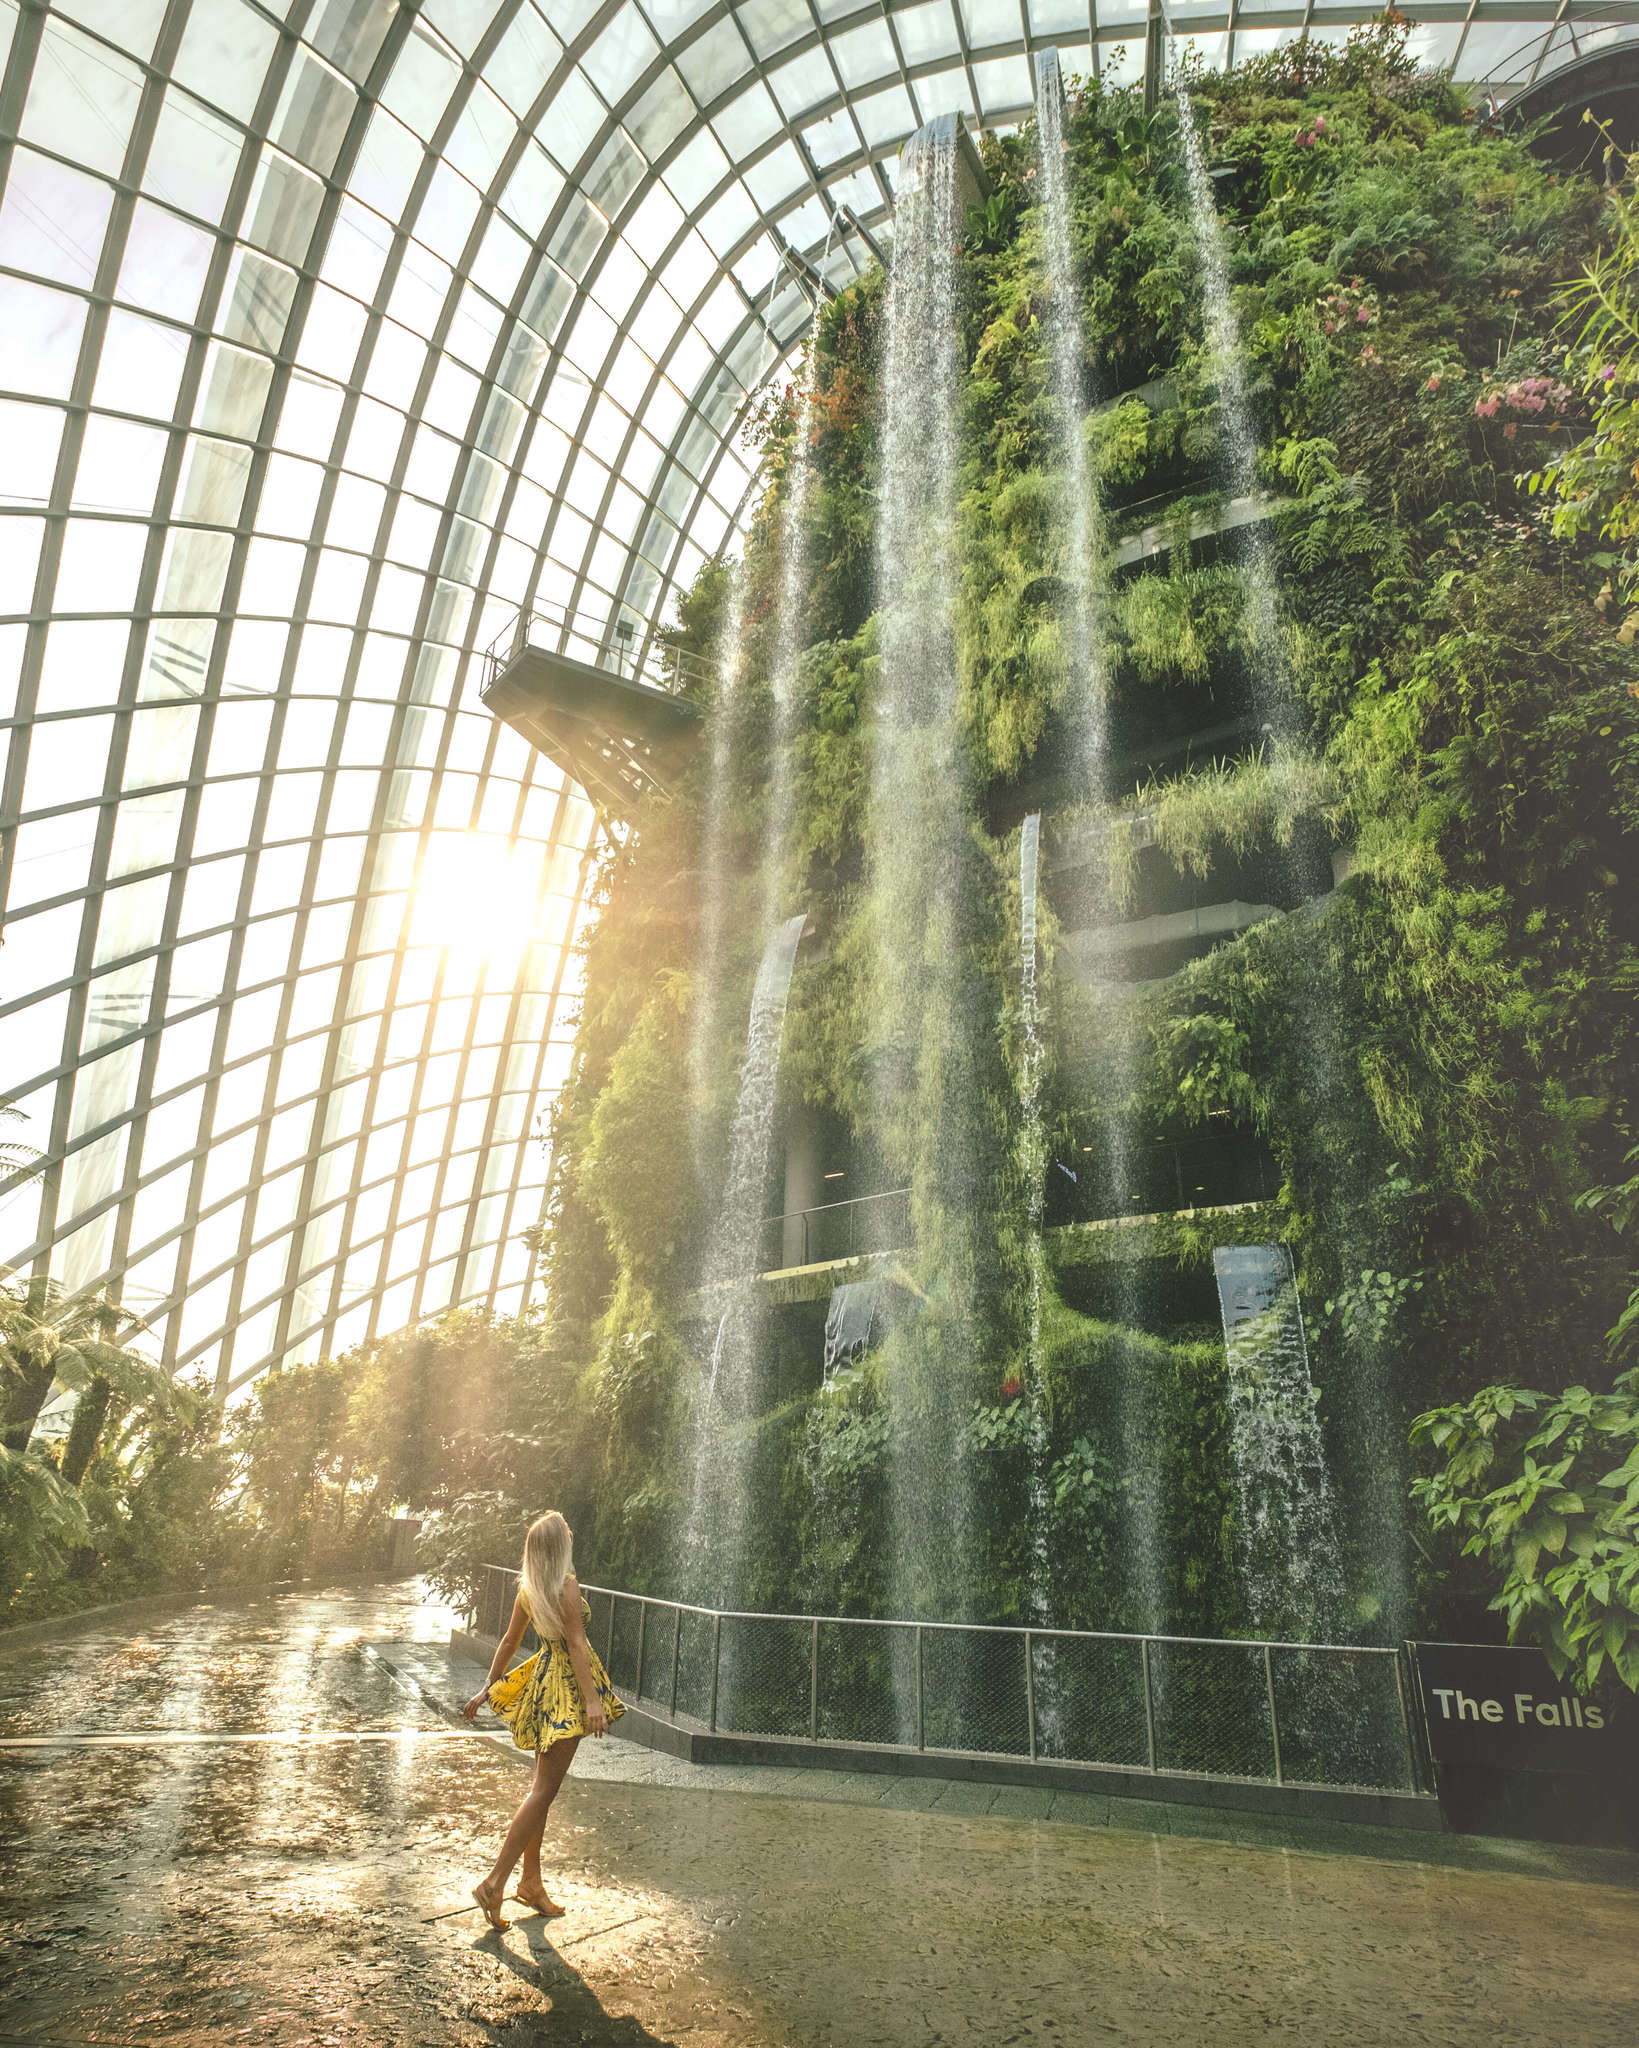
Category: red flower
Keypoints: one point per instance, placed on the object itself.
(1011, 1386)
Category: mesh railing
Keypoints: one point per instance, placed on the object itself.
(1283, 1713)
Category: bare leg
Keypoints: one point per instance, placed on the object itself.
(531, 1887)
(523, 1835)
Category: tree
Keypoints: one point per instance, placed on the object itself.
(79, 1340)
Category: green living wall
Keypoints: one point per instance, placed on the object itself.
(1474, 747)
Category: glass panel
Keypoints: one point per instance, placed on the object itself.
(53, 219)
(81, 99)
(192, 158)
(165, 262)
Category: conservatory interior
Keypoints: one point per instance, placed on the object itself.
(855, 785)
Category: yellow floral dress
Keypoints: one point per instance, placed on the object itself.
(541, 1700)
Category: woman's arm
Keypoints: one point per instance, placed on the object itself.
(504, 1650)
(574, 1635)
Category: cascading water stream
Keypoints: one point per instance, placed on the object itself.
(790, 633)
(705, 1012)
(1315, 1016)
(1033, 1167)
(1286, 1524)
(930, 1016)
(714, 1536)
(1089, 678)
(1274, 705)
(1088, 725)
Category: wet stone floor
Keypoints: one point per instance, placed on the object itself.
(256, 1823)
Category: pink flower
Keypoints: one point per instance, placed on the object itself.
(1364, 315)
(1320, 124)
(1486, 408)
(1331, 326)
(1433, 383)
(1608, 374)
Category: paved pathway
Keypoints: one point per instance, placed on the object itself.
(256, 1824)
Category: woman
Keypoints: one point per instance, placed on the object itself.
(549, 1702)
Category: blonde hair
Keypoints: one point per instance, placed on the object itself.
(546, 1564)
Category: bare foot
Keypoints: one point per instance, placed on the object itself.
(535, 1894)
(489, 1905)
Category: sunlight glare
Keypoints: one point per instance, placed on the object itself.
(476, 894)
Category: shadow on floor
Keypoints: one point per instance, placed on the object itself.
(575, 2005)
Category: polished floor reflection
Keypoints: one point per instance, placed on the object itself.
(248, 1826)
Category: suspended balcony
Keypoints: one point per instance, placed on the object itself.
(595, 697)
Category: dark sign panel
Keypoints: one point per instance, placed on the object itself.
(1506, 1708)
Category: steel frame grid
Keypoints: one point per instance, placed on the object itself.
(355, 47)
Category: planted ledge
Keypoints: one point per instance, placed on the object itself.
(1187, 1237)
(1237, 513)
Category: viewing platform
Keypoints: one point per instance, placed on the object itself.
(614, 720)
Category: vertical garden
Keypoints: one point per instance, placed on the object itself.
(1426, 1034)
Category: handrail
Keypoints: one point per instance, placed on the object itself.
(992, 1628)
(847, 1202)
(742, 1681)
(830, 1213)
(657, 663)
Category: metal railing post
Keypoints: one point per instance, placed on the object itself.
(716, 1666)
(813, 1682)
(642, 1621)
(1274, 1722)
(1029, 1696)
(609, 1643)
(677, 1652)
(921, 1729)
(1414, 1771)
(1149, 1699)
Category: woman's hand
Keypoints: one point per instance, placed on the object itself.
(597, 1720)
(469, 1712)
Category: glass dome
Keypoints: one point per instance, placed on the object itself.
(336, 332)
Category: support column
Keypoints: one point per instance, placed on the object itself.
(804, 1178)
(1155, 55)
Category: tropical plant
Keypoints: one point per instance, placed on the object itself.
(1593, 486)
(1546, 1490)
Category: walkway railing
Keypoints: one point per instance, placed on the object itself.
(623, 647)
(838, 1230)
(1322, 1715)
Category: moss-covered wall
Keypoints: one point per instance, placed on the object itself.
(1439, 1057)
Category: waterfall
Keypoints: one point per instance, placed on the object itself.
(790, 634)
(1089, 679)
(705, 1010)
(1286, 1519)
(1033, 1170)
(932, 1015)
(850, 1321)
(1273, 701)
(1088, 723)
(714, 1537)
(1372, 1411)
